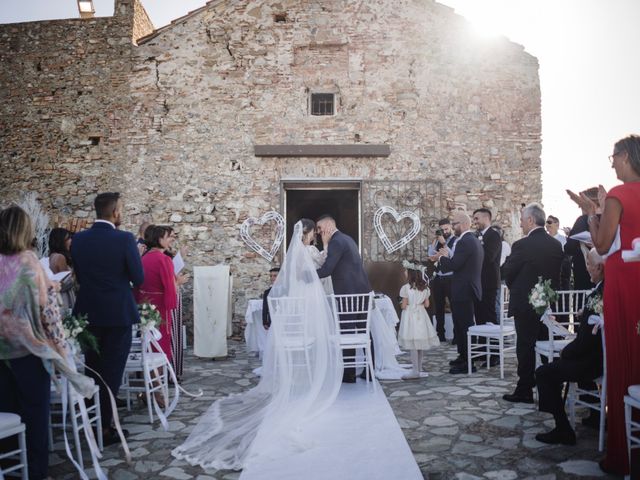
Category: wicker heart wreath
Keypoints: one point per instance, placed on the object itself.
(406, 238)
(245, 234)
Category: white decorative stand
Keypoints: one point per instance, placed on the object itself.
(406, 238)
(245, 234)
(212, 309)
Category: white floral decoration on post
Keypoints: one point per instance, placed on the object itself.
(245, 234)
(406, 238)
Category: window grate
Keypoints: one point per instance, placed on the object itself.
(322, 104)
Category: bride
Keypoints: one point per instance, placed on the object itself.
(302, 373)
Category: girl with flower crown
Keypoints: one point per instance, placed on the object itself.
(416, 332)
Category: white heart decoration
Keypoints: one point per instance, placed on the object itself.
(245, 234)
(410, 235)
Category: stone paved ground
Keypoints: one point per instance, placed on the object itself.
(458, 427)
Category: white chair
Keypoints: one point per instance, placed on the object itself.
(631, 402)
(562, 328)
(288, 321)
(10, 425)
(355, 333)
(77, 425)
(600, 393)
(143, 361)
(504, 333)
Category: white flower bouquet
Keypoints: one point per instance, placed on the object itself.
(75, 330)
(149, 316)
(542, 295)
(595, 304)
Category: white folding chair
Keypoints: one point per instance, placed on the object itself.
(143, 361)
(288, 321)
(75, 415)
(355, 333)
(10, 425)
(631, 402)
(504, 333)
(562, 328)
(600, 393)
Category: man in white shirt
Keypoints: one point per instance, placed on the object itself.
(553, 228)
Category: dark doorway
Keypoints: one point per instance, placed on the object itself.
(341, 204)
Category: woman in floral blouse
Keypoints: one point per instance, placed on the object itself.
(32, 343)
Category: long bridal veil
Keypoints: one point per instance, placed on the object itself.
(302, 373)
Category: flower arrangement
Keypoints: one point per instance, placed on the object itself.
(75, 330)
(595, 304)
(542, 295)
(149, 316)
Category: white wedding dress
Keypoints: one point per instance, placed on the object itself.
(296, 386)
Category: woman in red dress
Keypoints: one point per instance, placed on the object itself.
(621, 207)
(159, 287)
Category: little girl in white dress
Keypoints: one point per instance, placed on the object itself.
(416, 332)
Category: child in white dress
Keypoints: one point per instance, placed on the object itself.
(416, 332)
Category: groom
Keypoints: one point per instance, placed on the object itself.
(345, 267)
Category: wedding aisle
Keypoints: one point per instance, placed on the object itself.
(358, 438)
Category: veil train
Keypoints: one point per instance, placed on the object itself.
(301, 376)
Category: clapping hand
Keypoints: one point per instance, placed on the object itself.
(182, 278)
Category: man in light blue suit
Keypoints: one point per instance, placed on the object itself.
(107, 263)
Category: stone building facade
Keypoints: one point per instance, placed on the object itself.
(200, 123)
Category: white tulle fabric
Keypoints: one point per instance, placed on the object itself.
(302, 373)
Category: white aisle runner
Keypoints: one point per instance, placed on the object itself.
(357, 438)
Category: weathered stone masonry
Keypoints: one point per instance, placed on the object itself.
(171, 118)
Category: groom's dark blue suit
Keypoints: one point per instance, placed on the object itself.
(106, 263)
(345, 267)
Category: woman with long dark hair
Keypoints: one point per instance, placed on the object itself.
(60, 250)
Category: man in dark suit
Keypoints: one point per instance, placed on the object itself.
(581, 279)
(345, 267)
(106, 262)
(485, 308)
(266, 317)
(441, 284)
(580, 361)
(536, 255)
(466, 288)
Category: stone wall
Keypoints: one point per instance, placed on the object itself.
(179, 114)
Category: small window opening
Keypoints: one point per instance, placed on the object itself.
(94, 140)
(280, 18)
(322, 104)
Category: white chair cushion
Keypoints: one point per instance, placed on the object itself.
(558, 345)
(153, 360)
(9, 420)
(490, 329)
(354, 339)
(634, 391)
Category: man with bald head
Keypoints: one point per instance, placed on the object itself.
(465, 261)
(536, 255)
(344, 266)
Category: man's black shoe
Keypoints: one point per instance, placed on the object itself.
(458, 361)
(120, 403)
(461, 368)
(110, 436)
(349, 378)
(363, 375)
(442, 338)
(557, 436)
(518, 398)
